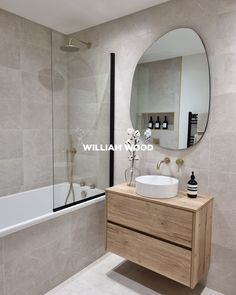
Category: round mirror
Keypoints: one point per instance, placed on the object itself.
(171, 90)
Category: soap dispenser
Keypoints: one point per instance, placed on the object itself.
(192, 187)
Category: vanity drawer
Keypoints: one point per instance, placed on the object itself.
(162, 257)
(160, 221)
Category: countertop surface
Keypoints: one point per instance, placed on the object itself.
(180, 201)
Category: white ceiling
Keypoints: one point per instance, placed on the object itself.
(179, 42)
(69, 16)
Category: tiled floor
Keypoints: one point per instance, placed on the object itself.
(113, 275)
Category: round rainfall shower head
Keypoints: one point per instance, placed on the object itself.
(69, 47)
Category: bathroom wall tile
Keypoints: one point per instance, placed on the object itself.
(61, 140)
(59, 65)
(223, 194)
(223, 227)
(38, 171)
(36, 88)
(223, 155)
(36, 115)
(60, 97)
(9, 25)
(60, 167)
(34, 59)
(59, 39)
(226, 25)
(83, 116)
(39, 267)
(10, 54)
(60, 116)
(79, 67)
(82, 90)
(86, 165)
(1, 251)
(88, 235)
(223, 108)
(11, 146)
(33, 238)
(222, 258)
(226, 40)
(2, 280)
(224, 73)
(226, 46)
(95, 228)
(10, 84)
(11, 173)
(10, 114)
(46, 256)
(35, 34)
(226, 6)
(11, 190)
(37, 143)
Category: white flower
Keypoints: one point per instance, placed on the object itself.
(136, 134)
(130, 131)
(148, 133)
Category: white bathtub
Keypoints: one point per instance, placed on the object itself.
(22, 210)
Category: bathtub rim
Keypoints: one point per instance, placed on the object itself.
(26, 224)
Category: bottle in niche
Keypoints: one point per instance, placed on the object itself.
(150, 123)
(165, 123)
(158, 123)
(192, 187)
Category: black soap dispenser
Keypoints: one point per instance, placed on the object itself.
(192, 187)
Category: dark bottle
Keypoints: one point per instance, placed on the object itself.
(192, 187)
(165, 123)
(150, 123)
(158, 123)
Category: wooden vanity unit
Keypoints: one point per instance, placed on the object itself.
(169, 236)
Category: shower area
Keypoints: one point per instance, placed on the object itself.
(81, 116)
(55, 97)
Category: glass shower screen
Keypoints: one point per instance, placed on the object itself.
(81, 120)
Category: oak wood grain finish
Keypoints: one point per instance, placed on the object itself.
(159, 256)
(167, 223)
(201, 248)
(170, 236)
(181, 201)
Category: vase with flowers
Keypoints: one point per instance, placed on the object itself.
(132, 143)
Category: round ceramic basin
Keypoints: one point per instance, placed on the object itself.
(157, 186)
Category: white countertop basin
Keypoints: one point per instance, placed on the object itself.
(157, 186)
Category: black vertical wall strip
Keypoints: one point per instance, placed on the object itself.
(112, 117)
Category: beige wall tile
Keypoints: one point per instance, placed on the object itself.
(36, 88)
(35, 34)
(25, 102)
(11, 173)
(226, 6)
(38, 171)
(11, 145)
(34, 59)
(2, 280)
(37, 143)
(10, 114)
(9, 25)
(36, 115)
(224, 73)
(10, 84)
(10, 53)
